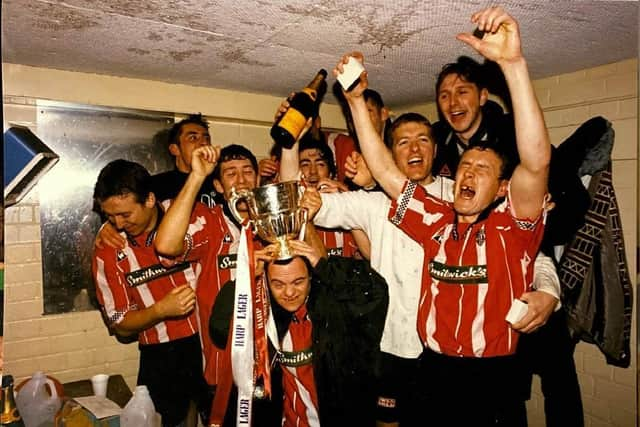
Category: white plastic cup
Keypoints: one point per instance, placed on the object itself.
(99, 383)
(351, 74)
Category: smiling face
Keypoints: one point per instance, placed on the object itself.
(127, 214)
(478, 183)
(238, 174)
(413, 151)
(289, 283)
(460, 103)
(313, 166)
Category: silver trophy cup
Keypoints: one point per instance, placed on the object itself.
(274, 213)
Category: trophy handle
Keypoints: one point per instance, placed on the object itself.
(236, 196)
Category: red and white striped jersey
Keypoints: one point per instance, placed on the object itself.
(471, 274)
(134, 278)
(300, 395)
(214, 249)
(337, 242)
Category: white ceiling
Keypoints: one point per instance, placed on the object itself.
(275, 46)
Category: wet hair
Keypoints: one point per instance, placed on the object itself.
(234, 152)
(122, 177)
(308, 142)
(176, 129)
(401, 120)
(507, 166)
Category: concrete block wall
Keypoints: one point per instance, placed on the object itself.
(68, 346)
(609, 394)
(76, 345)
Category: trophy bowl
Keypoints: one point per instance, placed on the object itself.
(274, 213)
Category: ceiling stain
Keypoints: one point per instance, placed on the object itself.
(390, 33)
(137, 51)
(130, 8)
(407, 41)
(49, 17)
(154, 37)
(238, 55)
(181, 56)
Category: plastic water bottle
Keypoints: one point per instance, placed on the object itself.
(139, 411)
(37, 406)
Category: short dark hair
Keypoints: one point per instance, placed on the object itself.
(234, 152)
(121, 177)
(507, 165)
(403, 119)
(374, 97)
(308, 142)
(288, 261)
(468, 69)
(176, 129)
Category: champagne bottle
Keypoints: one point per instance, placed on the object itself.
(10, 416)
(303, 105)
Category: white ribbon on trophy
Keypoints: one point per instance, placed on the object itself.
(242, 345)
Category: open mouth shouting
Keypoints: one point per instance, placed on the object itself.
(467, 192)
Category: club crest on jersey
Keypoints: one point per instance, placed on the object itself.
(227, 238)
(466, 275)
(228, 261)
(120, 255)
(481, 237)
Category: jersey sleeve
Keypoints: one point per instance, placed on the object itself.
(111, 287)
(349, 210)
(417, 213)
(529, 231)
(199, 233)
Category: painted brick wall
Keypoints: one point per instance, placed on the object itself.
(76, 345)
(609, 394)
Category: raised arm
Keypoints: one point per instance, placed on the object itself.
(378, 158)
(501, 44)
(290, 159)
(170, 237)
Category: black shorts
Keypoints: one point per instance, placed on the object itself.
(396, 382)
(172, 372)
(465, 391)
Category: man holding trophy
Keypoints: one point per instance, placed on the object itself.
(317, 379)
(236, 168)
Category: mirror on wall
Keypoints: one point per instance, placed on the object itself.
(86, 138)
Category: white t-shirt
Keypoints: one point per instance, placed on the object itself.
(394, 255)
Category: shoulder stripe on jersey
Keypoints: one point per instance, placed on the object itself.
(403, 203)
